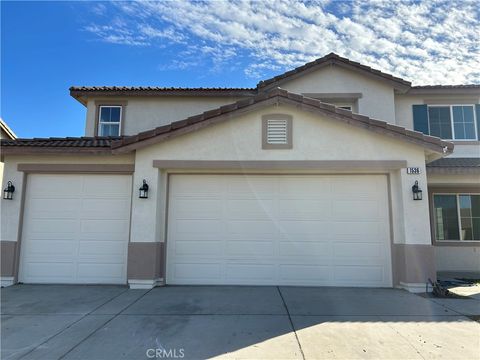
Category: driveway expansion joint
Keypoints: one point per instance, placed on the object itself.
(291, 322)
(72, 324)
(105, 323)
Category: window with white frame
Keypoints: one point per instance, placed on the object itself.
(452, 122)
(109, 120)
(456, 217)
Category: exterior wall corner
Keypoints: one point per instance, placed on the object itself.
(413, 264)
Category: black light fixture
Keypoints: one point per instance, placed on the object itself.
(417, 192)
(143, 191)
(8, 191)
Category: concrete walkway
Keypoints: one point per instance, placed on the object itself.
(111, 322)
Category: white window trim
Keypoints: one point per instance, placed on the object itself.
(119, 122)
(341, 104)
(475, 124)
(457, 198)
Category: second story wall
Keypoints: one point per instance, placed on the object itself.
(376, 97)
(146, 113)
(404, 116)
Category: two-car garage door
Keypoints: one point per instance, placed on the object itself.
(278, 230)
(75, 229)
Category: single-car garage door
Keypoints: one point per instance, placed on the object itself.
(75, 229)
(278, 230)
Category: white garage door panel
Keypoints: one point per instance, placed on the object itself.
(42, 272)
(75, 229)
(278, 230)
(192, 272)
(305, 273)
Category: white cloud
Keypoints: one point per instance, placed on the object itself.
(169, 33)
(424, 42)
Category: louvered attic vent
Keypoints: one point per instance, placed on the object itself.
(277, 132)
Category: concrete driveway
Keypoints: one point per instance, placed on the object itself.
(195, 322)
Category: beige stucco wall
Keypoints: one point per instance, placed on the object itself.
(457, 258)
(10, 209)
(404, 115)
(146, 113)
(314, 138)
(377, 99)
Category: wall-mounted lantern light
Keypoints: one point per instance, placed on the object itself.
(143, 191)
(417, 192)
(8, 191)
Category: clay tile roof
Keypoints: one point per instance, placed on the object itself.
(66, 144)
(276, 96)
(445, 89)
(152, 88)
(455, 166)
(456, 162)
(333, 58)
(79, 91)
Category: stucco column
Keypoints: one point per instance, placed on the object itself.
(11, 218)
(146, 246)
(413, 255)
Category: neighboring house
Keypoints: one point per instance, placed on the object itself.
(5, 131)
(304, 180)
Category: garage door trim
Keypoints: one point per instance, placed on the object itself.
(77, 168)
(333, 165)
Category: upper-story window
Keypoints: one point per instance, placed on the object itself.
(109, 120)
(452, 122)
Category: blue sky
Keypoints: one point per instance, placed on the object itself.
(49, 46)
